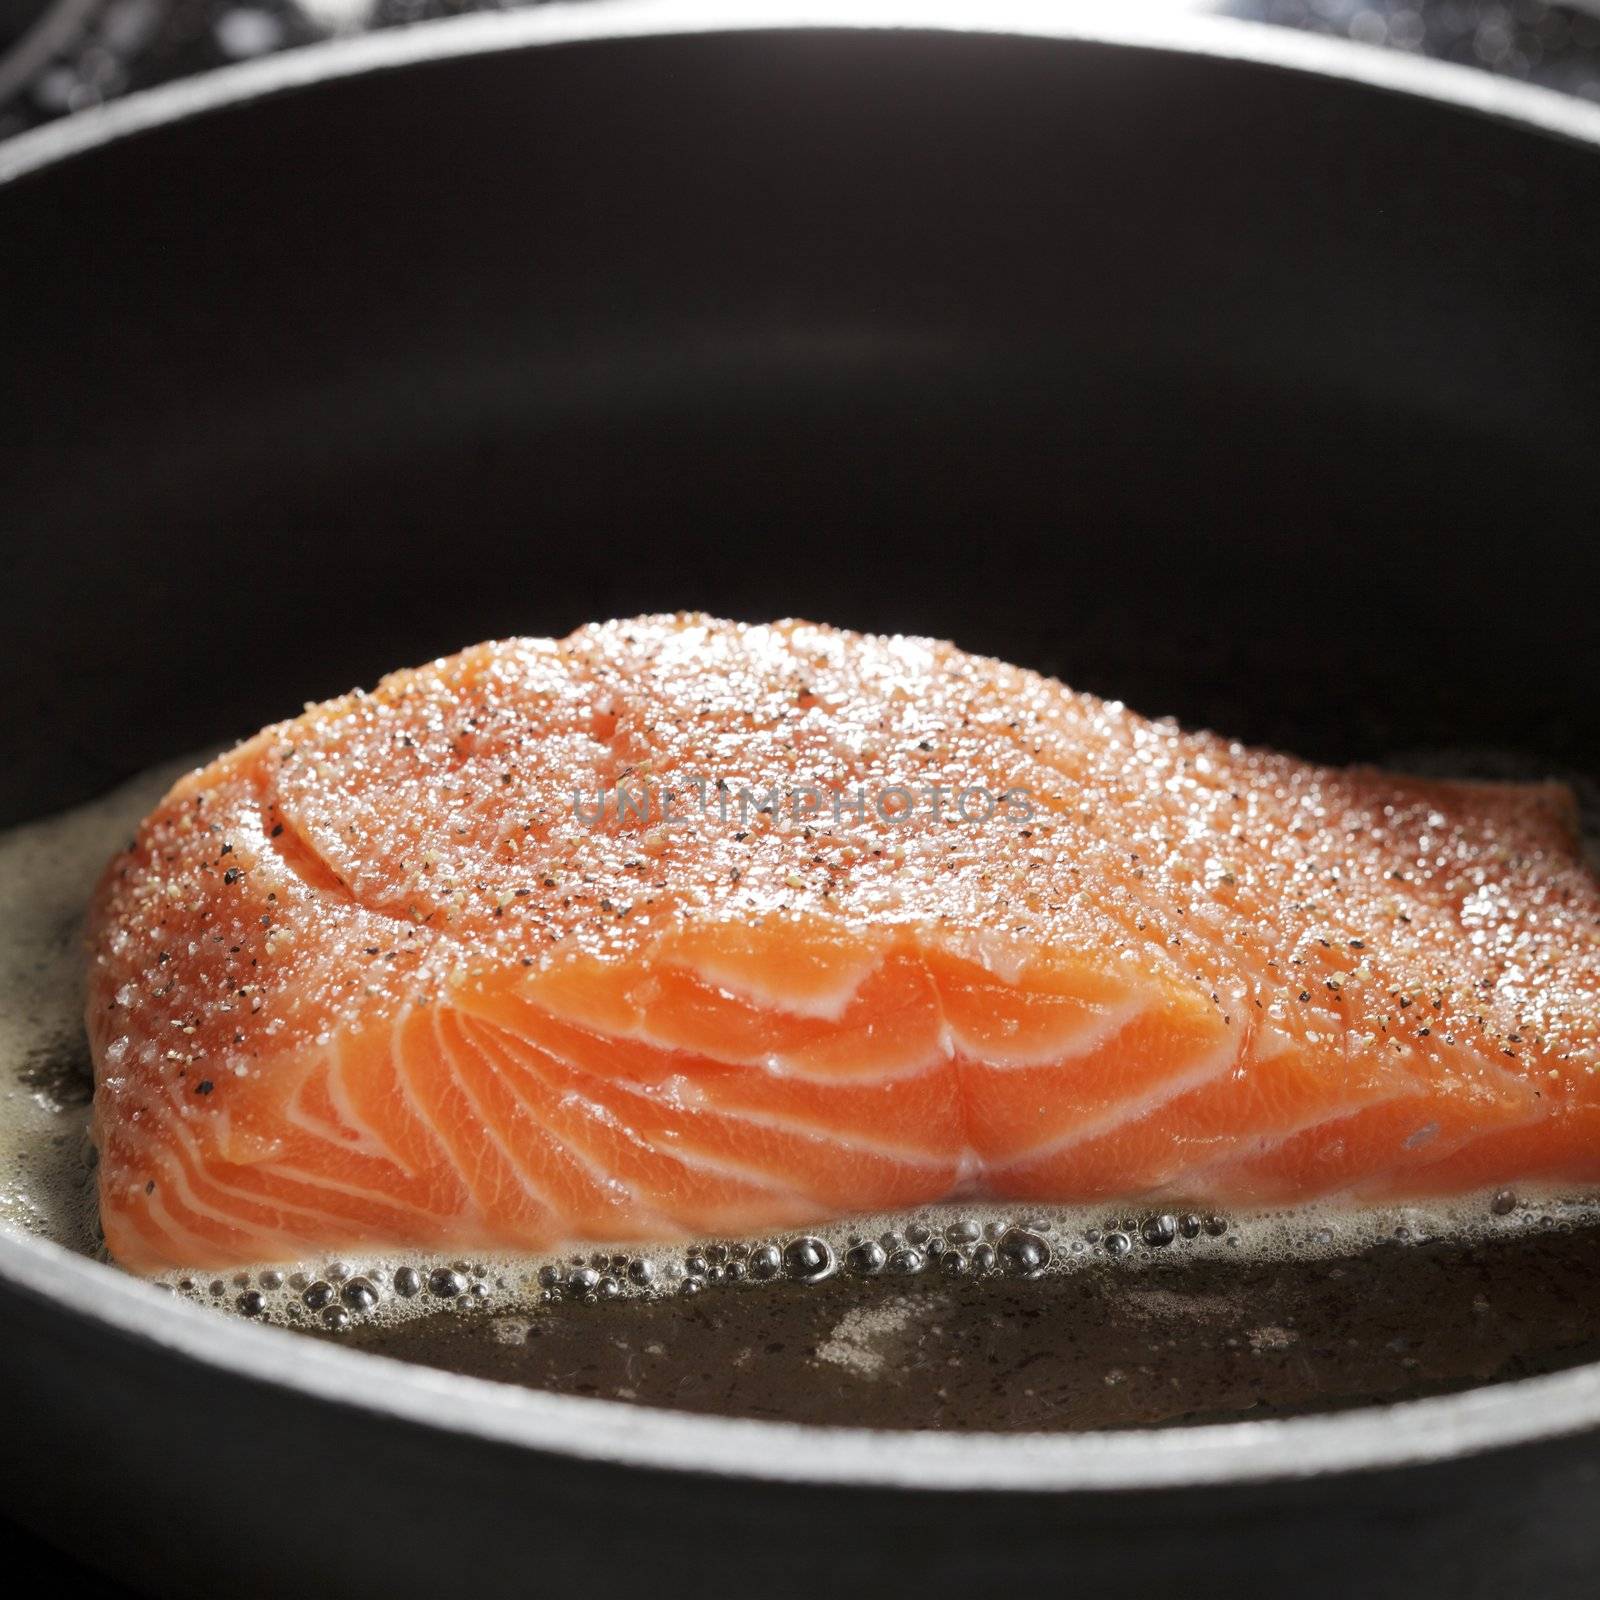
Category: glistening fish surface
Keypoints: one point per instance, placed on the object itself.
(367, 981)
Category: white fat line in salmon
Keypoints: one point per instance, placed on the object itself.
(687, 800)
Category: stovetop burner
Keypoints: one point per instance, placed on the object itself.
(17, 17)
(34, 34)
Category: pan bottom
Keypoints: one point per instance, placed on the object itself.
(1163, 1338)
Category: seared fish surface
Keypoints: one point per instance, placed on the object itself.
(678, 926)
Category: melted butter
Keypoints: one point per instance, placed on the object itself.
(48, 870)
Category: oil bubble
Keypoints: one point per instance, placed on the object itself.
(1159, 1231)
(1023, 1253)
(808, 1259)
(866, 1259)
(360, 1294)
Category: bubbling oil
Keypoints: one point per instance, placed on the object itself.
(964, 1316)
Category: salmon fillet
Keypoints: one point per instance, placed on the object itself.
(878, 923)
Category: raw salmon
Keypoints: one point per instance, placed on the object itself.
(679, 927)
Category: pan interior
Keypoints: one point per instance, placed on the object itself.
(1286, 431)
(929, 333)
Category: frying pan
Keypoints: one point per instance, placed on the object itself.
(1248, 377)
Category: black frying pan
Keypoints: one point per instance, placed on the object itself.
(1240, 376)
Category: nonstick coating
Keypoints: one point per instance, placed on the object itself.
(1262, 397)
(1235, 393)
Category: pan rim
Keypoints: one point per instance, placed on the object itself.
(600, 21)
(1410, 1433)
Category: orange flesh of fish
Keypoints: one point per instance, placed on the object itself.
(390, 975)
